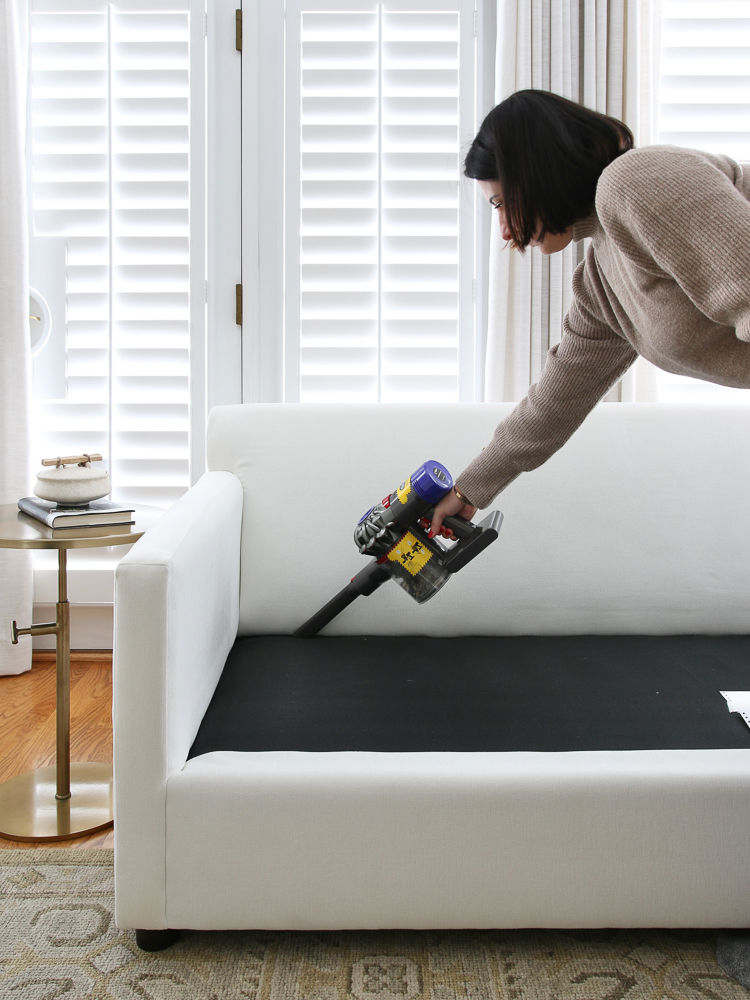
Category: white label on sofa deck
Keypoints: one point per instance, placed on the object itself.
(739, 701)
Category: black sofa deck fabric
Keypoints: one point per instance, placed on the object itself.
(399, 694)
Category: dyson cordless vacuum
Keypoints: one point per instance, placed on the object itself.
(395, 533)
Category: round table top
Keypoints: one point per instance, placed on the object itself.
(19, 531)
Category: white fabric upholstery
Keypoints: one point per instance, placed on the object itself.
(176, 610)
(638, 525)
(296, 840)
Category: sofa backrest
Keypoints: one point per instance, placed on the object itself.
(640, 524)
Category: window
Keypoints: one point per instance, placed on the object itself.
(705, 104)
(116, 211)
(381, 239)
(116, 247)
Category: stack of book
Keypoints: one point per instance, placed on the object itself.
(97, 513)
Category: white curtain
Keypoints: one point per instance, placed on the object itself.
(604, 54)
(15, 364)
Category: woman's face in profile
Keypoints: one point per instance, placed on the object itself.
(552, 242)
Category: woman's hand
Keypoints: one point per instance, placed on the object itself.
(450, 504)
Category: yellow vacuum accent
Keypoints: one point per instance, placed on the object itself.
(411, 553)
(404, 490)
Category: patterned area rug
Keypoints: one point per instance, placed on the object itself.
(58, 940)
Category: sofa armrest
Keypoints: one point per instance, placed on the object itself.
(176, 615)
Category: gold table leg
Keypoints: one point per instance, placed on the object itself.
(68, 800)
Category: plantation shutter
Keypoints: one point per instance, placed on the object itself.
(379, 227)
(705, 104)
(705, 97)
(111, 242)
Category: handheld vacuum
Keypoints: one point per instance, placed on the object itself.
(395, 533)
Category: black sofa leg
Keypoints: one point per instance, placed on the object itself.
(155, 940)
(733, 955)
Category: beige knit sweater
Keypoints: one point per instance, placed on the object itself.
(667, 275)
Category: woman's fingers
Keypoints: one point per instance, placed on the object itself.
(450, 504)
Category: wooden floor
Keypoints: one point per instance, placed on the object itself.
(27, 723)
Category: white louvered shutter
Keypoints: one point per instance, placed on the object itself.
(705, 104)
(110, 117)
(705, 83)
(379, 227)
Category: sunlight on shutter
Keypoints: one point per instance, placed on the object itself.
(705, 82)
(420, 232)
(375, 276)
(705, 104)
(110, 120)
(338, 228)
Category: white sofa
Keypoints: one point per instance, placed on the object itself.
(639, 526)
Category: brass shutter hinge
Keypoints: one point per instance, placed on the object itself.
(238, 305)
(238, 30)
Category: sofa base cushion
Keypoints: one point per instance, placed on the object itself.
(478, 694)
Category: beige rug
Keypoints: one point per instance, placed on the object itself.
(58, 941)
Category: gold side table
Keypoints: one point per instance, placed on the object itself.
(67, 800)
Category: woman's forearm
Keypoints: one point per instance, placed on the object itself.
(578, 373)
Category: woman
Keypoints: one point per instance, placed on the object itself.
(667, 274)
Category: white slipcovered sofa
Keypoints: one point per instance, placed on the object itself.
(639, 526)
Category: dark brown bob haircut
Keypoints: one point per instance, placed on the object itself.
(547, 153)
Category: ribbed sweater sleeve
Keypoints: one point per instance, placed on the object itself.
(668, 274)
(579, 371)
(688, 218)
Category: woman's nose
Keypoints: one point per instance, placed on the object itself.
(505, 229)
